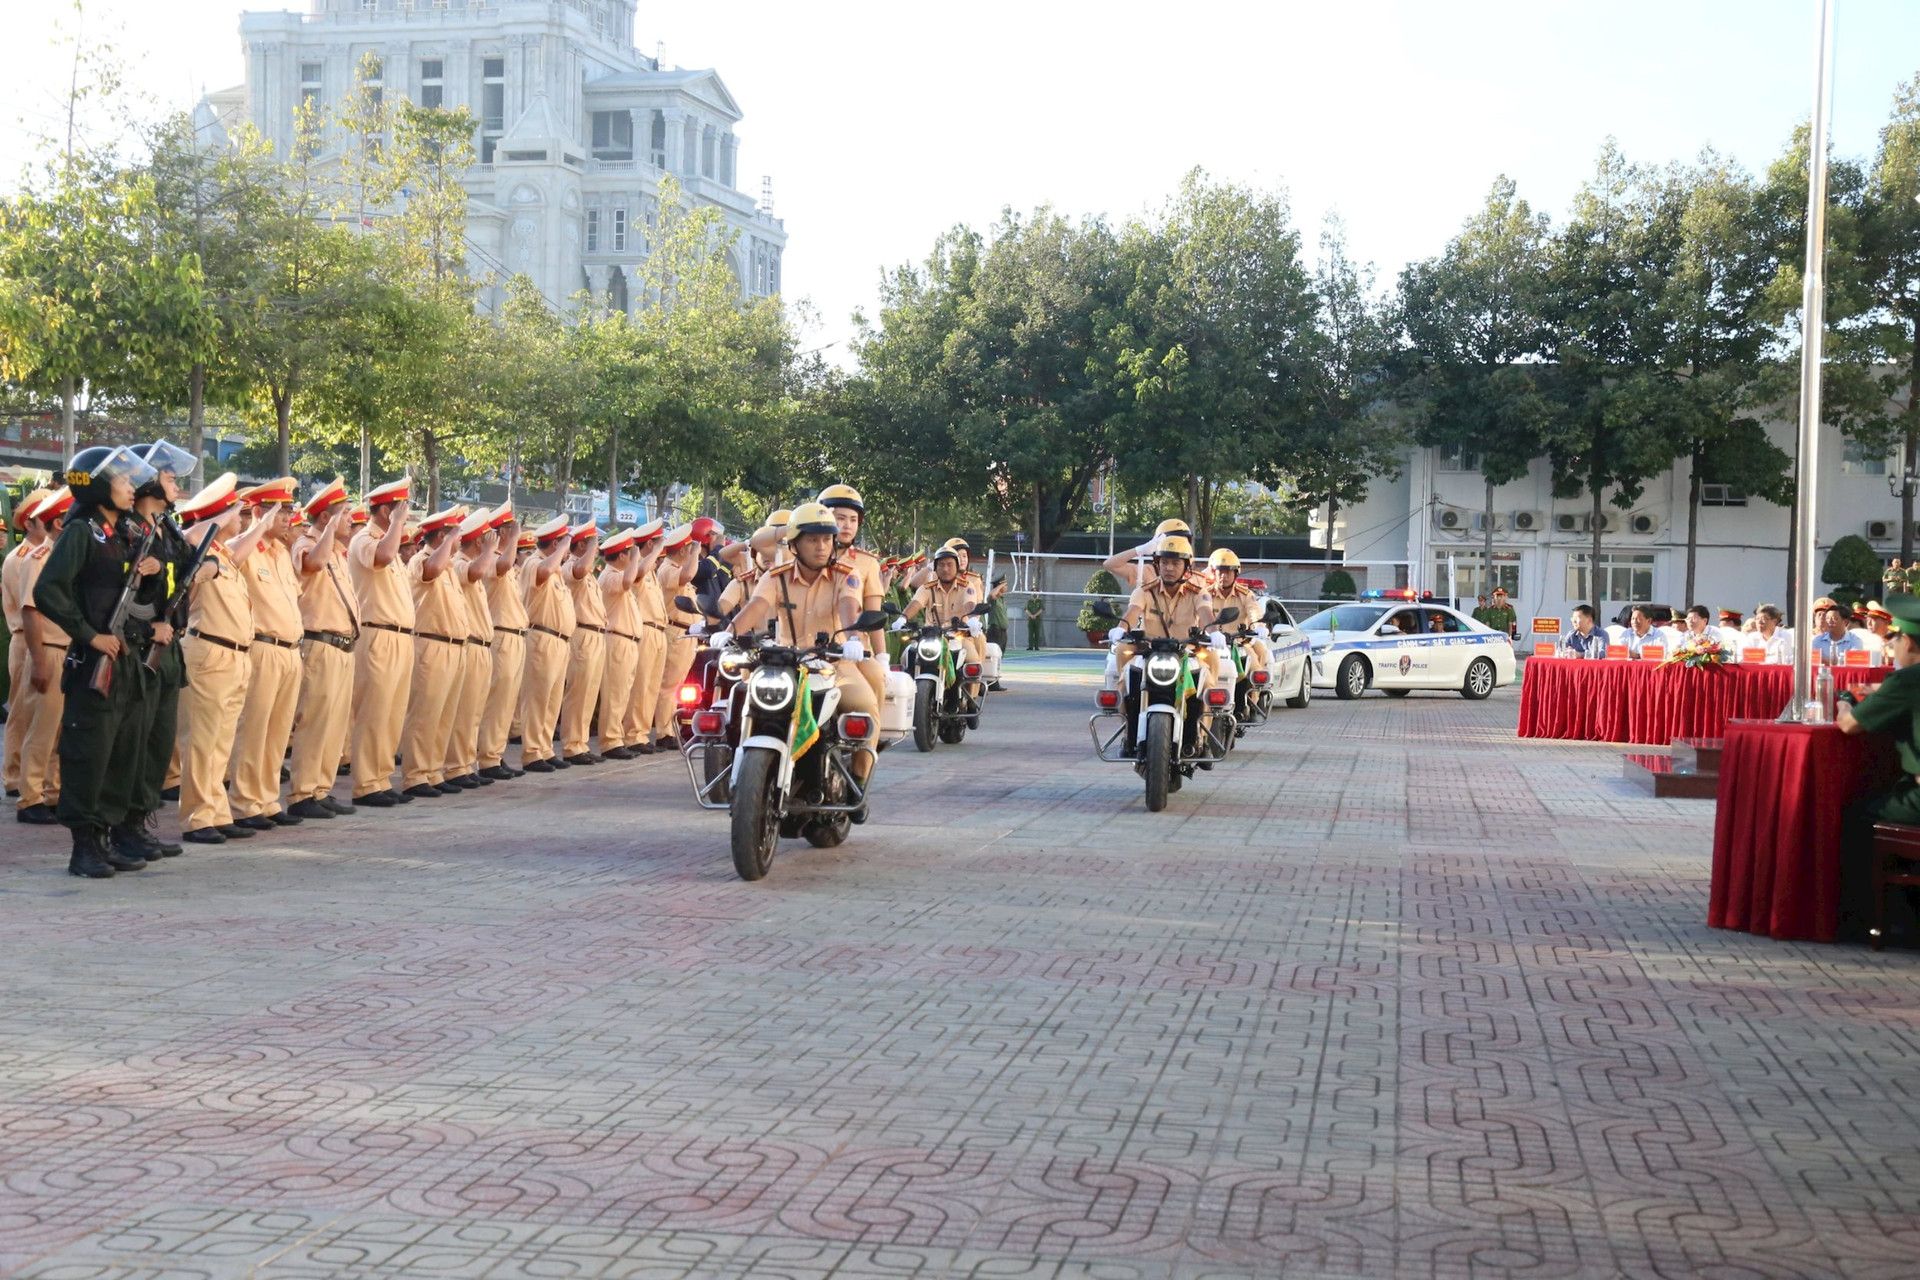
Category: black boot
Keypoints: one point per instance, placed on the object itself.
(87, 859)
(149, 825)
(113, 856)
(130, 842)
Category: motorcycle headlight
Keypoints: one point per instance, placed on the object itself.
(1163, 668)
(733, 662)
(930, 650)
(771, 690)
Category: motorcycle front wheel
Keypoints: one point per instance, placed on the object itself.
(1157, 757)
(756, 816)
(923, 734)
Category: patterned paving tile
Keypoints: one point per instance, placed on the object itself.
(1390, 994)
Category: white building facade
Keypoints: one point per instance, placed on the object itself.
(1432, 517)
(575, 128)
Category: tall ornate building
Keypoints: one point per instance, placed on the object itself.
(575, 126)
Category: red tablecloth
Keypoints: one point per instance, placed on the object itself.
(1624, 700)
(1776, 832)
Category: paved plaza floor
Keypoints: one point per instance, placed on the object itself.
(1390, 994)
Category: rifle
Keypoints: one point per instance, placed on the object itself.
(171, 609)
(101, 681)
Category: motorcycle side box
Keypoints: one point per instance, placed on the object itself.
(991, 667)
(896, 716)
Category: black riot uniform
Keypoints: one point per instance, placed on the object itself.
(99, 733)
(169, 668)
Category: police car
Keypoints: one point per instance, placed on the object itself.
(1292, 674)
(1390, 641)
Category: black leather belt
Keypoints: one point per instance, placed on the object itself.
(455, 641)
(278, 644)
(222, 641)
(344, 643)
(512, 631)
(658, 626)
(388, 626)
(557, 635)
(588, 626)
(623, 635)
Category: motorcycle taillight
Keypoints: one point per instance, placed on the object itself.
(709, 724)
(690, 693)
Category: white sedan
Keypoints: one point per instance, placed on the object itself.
(1292, 678)
(1397, 646)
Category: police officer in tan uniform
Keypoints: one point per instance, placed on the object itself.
(11, 603)
(587, 654)
(439, 645)
(508, 609)
(811, 595)
(549, 636)
(849, 515)
(1169, 606)
(650, 611)
(383, 657)
(622, 642)
(330, 627)
(1227, 589)
(947, 597)
(219, 637)
(273, 662)
(473, 563)
(676, 571)
(33, 724)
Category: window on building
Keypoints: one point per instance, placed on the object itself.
(1856, 459)
(657, 140)
(1470, 575)
(613, 135)
(433, 83)
(369, 6)
(373, 77)
(310, 84)
(493, 105)
(619, 230)
(1624, 579)
(1721, 495)
(1453, 457)
(593, 231)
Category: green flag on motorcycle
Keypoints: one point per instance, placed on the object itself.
(1184, 689)
(806, 729)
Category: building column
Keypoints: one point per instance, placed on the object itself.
(676, 125)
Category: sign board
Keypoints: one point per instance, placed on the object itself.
(1653, 653)
(1859, 658)
(1753, 655)
(1618, 651)
(1546, 626)
(1543, 648)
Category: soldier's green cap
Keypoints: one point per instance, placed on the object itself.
(1905, 609)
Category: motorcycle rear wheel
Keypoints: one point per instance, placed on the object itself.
(756, 816)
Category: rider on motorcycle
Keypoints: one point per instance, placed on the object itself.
(1134, 565)
(849, 515)
(950, 596)
(810, 595)
(1169, 606)
(1229, 590)
(762, 548)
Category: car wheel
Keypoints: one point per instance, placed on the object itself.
(1305, 692)
(1351, 681)
(1479, 681)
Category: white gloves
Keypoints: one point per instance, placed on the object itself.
(1260, 629)
(1217, 639)
(1117, 634)
(899, 624)
(852, 650)
(974, 627)
(720, 640)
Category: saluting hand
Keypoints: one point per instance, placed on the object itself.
(107, 644)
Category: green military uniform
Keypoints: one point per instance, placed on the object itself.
(1500, 617)
(1036, 614)
(1892, 709)
(161, 710)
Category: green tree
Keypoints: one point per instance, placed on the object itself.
(1852, 568)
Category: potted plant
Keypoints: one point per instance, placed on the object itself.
(1337, 585)
(1101, 583)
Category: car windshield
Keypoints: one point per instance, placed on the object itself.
(1345, 617)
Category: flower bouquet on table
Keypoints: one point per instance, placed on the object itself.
(1702, 652)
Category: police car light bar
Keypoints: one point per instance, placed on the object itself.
(1388, 593)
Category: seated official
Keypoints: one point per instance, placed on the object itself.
(1836, 638)
(1774, 641)
(1642, 633)
(1586, 639)
(1700, 631)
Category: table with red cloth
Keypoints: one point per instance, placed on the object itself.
(1777, 829)
(1640, 700)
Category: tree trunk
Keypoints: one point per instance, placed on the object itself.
(196, 421)
(430, 454)
(1693, 521)
(1486, 547)
(1333, 513)
(1192, 505)
(1038, 526)
(613, 479)
(661, 497)
(1912, 449)
(563, 481)
(1593, 565)
(283, 430)
(67, 433)
(366, 457)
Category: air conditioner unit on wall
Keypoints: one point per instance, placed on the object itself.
(1567, 522)
(1480, 522)
(1880, 530)
(1449, 518)
(1643, 522)
(1526, 521)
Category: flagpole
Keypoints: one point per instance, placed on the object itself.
(1813, 313)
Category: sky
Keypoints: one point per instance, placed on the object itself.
(885, 122)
